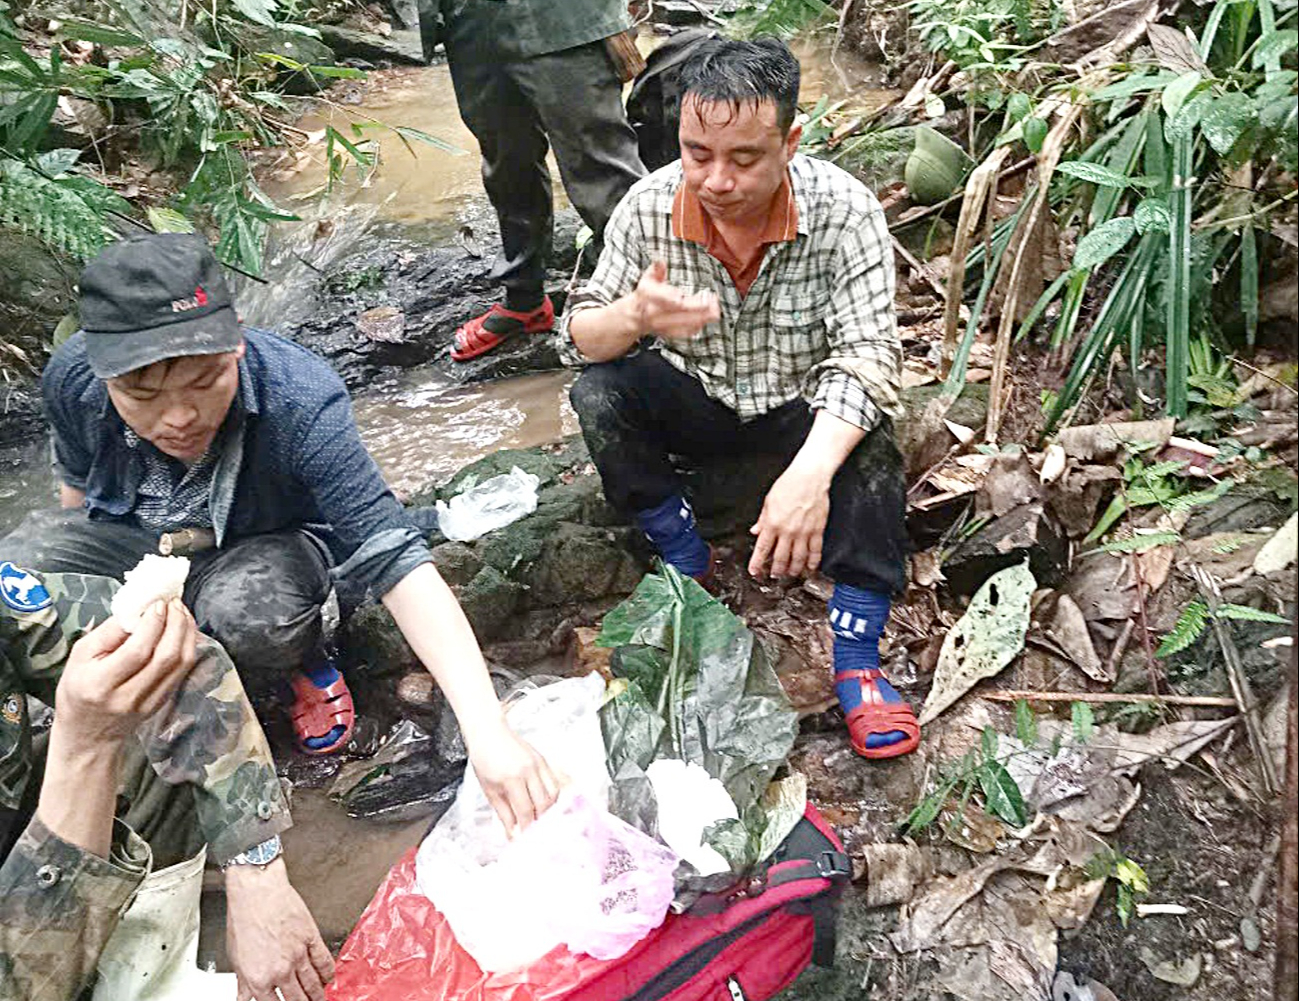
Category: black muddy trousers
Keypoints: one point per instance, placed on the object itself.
(517, 109)
(639, 412)
(260, 597)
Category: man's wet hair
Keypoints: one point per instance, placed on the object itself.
(725, 71)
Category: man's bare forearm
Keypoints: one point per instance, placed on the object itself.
(79, 792)
(604, 333)
(826, 447)
(71, 496)
(428, 615)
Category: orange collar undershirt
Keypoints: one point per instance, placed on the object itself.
(690, 221)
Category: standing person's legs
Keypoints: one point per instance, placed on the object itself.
(517, 180)
(578, 98)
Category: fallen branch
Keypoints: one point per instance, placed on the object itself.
(919, 268)
(1286, 980)
(1207, 701)
(1240, 686)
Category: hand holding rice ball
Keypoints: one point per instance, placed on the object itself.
(155, 578)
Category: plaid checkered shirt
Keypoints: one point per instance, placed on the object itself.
(818, 321)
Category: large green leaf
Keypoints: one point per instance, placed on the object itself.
(1273, 45)
(1151, 216)
(1175, 94)
(260, 11)
(1226, 119)
(1103, 242)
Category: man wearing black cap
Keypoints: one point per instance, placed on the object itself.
(170, 417)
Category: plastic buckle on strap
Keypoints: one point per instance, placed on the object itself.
(834, 866)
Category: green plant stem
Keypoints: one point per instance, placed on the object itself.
(1179, 277)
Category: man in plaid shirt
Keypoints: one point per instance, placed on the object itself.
(744, 303)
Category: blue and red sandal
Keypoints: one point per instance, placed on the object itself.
(498, 325)
(322, 712)
(880, 723)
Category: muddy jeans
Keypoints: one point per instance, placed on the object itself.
(639, 411)
(259, 596)
(517, 109)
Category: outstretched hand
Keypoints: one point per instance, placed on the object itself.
(274, 945)
(515, 778)
(668, 311)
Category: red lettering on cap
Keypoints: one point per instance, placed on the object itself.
(200, 296)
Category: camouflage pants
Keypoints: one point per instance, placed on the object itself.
(260, 596)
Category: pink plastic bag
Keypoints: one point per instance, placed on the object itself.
(577, 877)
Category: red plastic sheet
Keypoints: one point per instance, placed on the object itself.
(402, 949)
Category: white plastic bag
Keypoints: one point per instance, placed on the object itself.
(487, 506)
(577, 877)
(689, 802)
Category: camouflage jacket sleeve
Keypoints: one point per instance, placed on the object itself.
(58, 907)
(207, 735)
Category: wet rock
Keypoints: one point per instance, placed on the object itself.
(37, 288)
(969, 409)
(372, 637)
(1239, 511)
(398, 48)
(456, 562)
(435, 290)
(489, 602)
(291, 45)
(1024, 533)
(581, 562)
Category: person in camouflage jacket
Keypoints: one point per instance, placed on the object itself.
(60, 898)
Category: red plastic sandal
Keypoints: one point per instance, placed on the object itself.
(473, 339)
(875, 715)
(323, 715)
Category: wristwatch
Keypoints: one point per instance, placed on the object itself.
(259, 855)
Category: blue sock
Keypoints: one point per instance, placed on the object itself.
(670, 527)
(857, 618)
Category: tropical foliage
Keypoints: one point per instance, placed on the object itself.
(194, 86)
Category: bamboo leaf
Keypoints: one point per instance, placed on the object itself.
(1103, 242)
(1190, 624)
(99, 34)
(406, 132)
(1243, 613)
(1002, 794)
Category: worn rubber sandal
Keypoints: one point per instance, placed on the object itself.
(322, 712)
(473, 339)
(877, 715)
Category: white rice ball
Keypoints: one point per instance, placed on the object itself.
(155, 578)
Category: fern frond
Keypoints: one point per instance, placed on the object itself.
(782, 18)
(1244, 613)
(67, 213)
(1190, 624)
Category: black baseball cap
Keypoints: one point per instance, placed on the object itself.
(152, 297)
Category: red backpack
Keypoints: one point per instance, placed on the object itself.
(745, 945)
